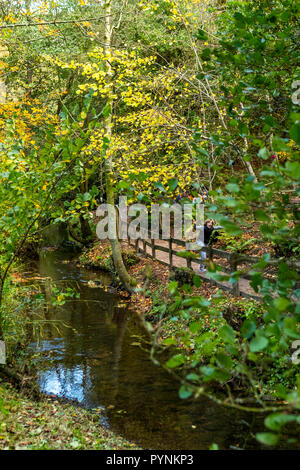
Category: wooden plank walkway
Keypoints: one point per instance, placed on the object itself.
(166, 252)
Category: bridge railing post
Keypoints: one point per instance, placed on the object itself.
(170, 253)
(153, 248)
(233, 267)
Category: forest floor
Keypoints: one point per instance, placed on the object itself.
(49, 424)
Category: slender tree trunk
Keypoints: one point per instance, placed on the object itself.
(250, 170)
(127, 281)
(247, 163)
(29, 61)
(3, 53)
(1, 298)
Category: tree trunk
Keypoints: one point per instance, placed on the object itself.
(247, 163)
(3, 53)
(86, 231)
(1, 319)
(127, 281)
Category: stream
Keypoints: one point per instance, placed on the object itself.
(86, 354)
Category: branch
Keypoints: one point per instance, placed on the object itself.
(21, 25)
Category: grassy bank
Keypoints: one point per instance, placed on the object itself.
(47, 424)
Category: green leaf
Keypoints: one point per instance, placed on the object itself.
(248, 328)
(256, 280)
(206, 54)
(275, 421)
(258, 344)
(279, 145)
(185, 391)
(233, 188)
(201, 35)
(295, 132)
(261, 215)
(267, 438)
(224, 361)
(264, 153)
(175, 361)
(195, 327)
(196, 301)
(217, 276)
(243, 129)
(159, 186)
(291, 328)
(169, 341)
(192, 376)
(214, 446)
(227, 334)
(173, 183)
(106, 110)
(197, 281)
(208, 371)
(281, 303)
(231, 227)
(203, 151)
(187, 254)
(239, 19)
(173, 287)
(123, 184)
(293, 169)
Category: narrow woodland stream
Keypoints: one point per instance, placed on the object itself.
(90, 358)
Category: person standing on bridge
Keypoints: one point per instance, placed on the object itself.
(204, 237)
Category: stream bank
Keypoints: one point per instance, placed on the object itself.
(48, 424)
(94, 358)
(92, 352)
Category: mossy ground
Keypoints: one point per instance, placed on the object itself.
(47, 424)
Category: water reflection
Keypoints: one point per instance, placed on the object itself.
(95, 362)
(68, 383)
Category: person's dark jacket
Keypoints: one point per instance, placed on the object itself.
(205, 238)
(207, 234)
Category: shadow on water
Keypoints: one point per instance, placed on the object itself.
(95, 363)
